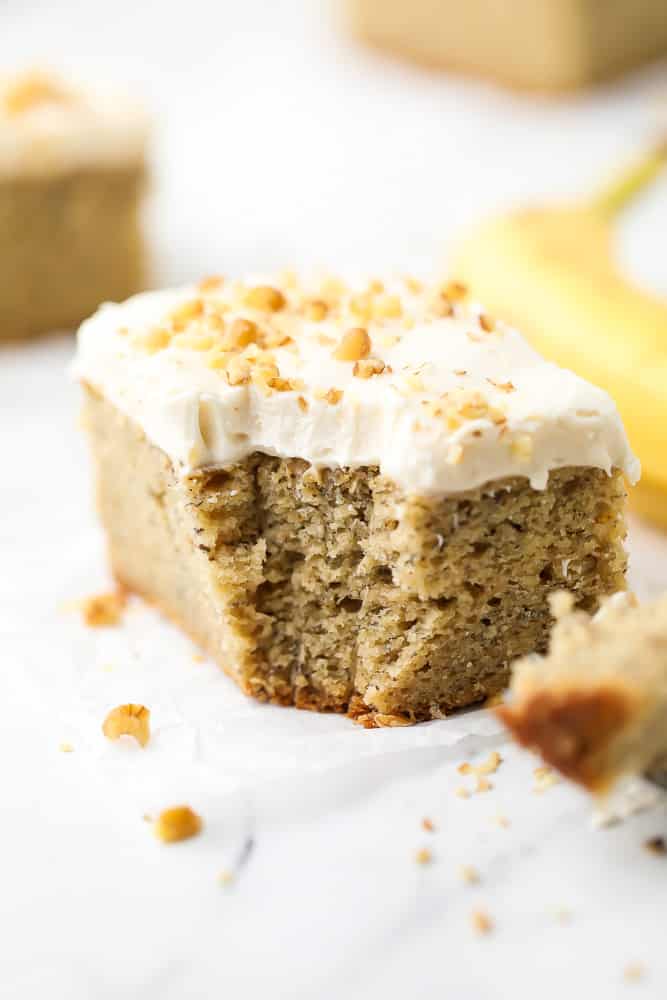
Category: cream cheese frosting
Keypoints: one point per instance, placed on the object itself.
(401, 376)
(50, 127)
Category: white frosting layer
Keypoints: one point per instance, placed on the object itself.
(549, 418)
(44, 132)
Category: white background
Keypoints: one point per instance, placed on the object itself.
(278, 142)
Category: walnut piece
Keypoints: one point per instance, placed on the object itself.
(177, 823)
(104, 609)
(128, 720)
(354, 345)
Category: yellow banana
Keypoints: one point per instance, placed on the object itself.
(551, 272)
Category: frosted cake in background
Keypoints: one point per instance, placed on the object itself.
(72, 172)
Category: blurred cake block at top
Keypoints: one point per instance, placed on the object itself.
(72, 168)
(543, 45)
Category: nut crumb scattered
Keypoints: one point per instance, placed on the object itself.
(469, 874)
(128, 720)
(354, 345)
(428, 825)
(501, 820)
(177, 823)
(481, 922)
(104, 609)
(656, 845)
(423, 856)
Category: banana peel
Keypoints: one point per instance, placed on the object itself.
(551, 272)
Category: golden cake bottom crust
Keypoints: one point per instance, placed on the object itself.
(333, 590)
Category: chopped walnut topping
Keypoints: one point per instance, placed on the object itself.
(153, 340)
(442, 307)
(455, 291)
(481, 922)
(211, 283)
(237, 371)
(34, 88)
(241, 333)
(194, 341)
(423, 856)
(128, 720)
(413, 284)
(177, 823)
(265, 298)
(185, 313)
(104, 609)
(354, 345)
(315, 310)
(368, 368)
(469, 874)
(387, 307)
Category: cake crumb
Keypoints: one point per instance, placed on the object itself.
(428, 825)
(103, 609)
(423, 856)
(656, 845)
(501, 820)
(66, 748)
(128, 720)
(177, 823)
(633, 972)
(481, 922)
(469, 874)
(545, 777)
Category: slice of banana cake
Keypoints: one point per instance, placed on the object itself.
(596, 706)
(356, 498)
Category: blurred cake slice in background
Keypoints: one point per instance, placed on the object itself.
(543, 45)
(595, 707)
(72, 172)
